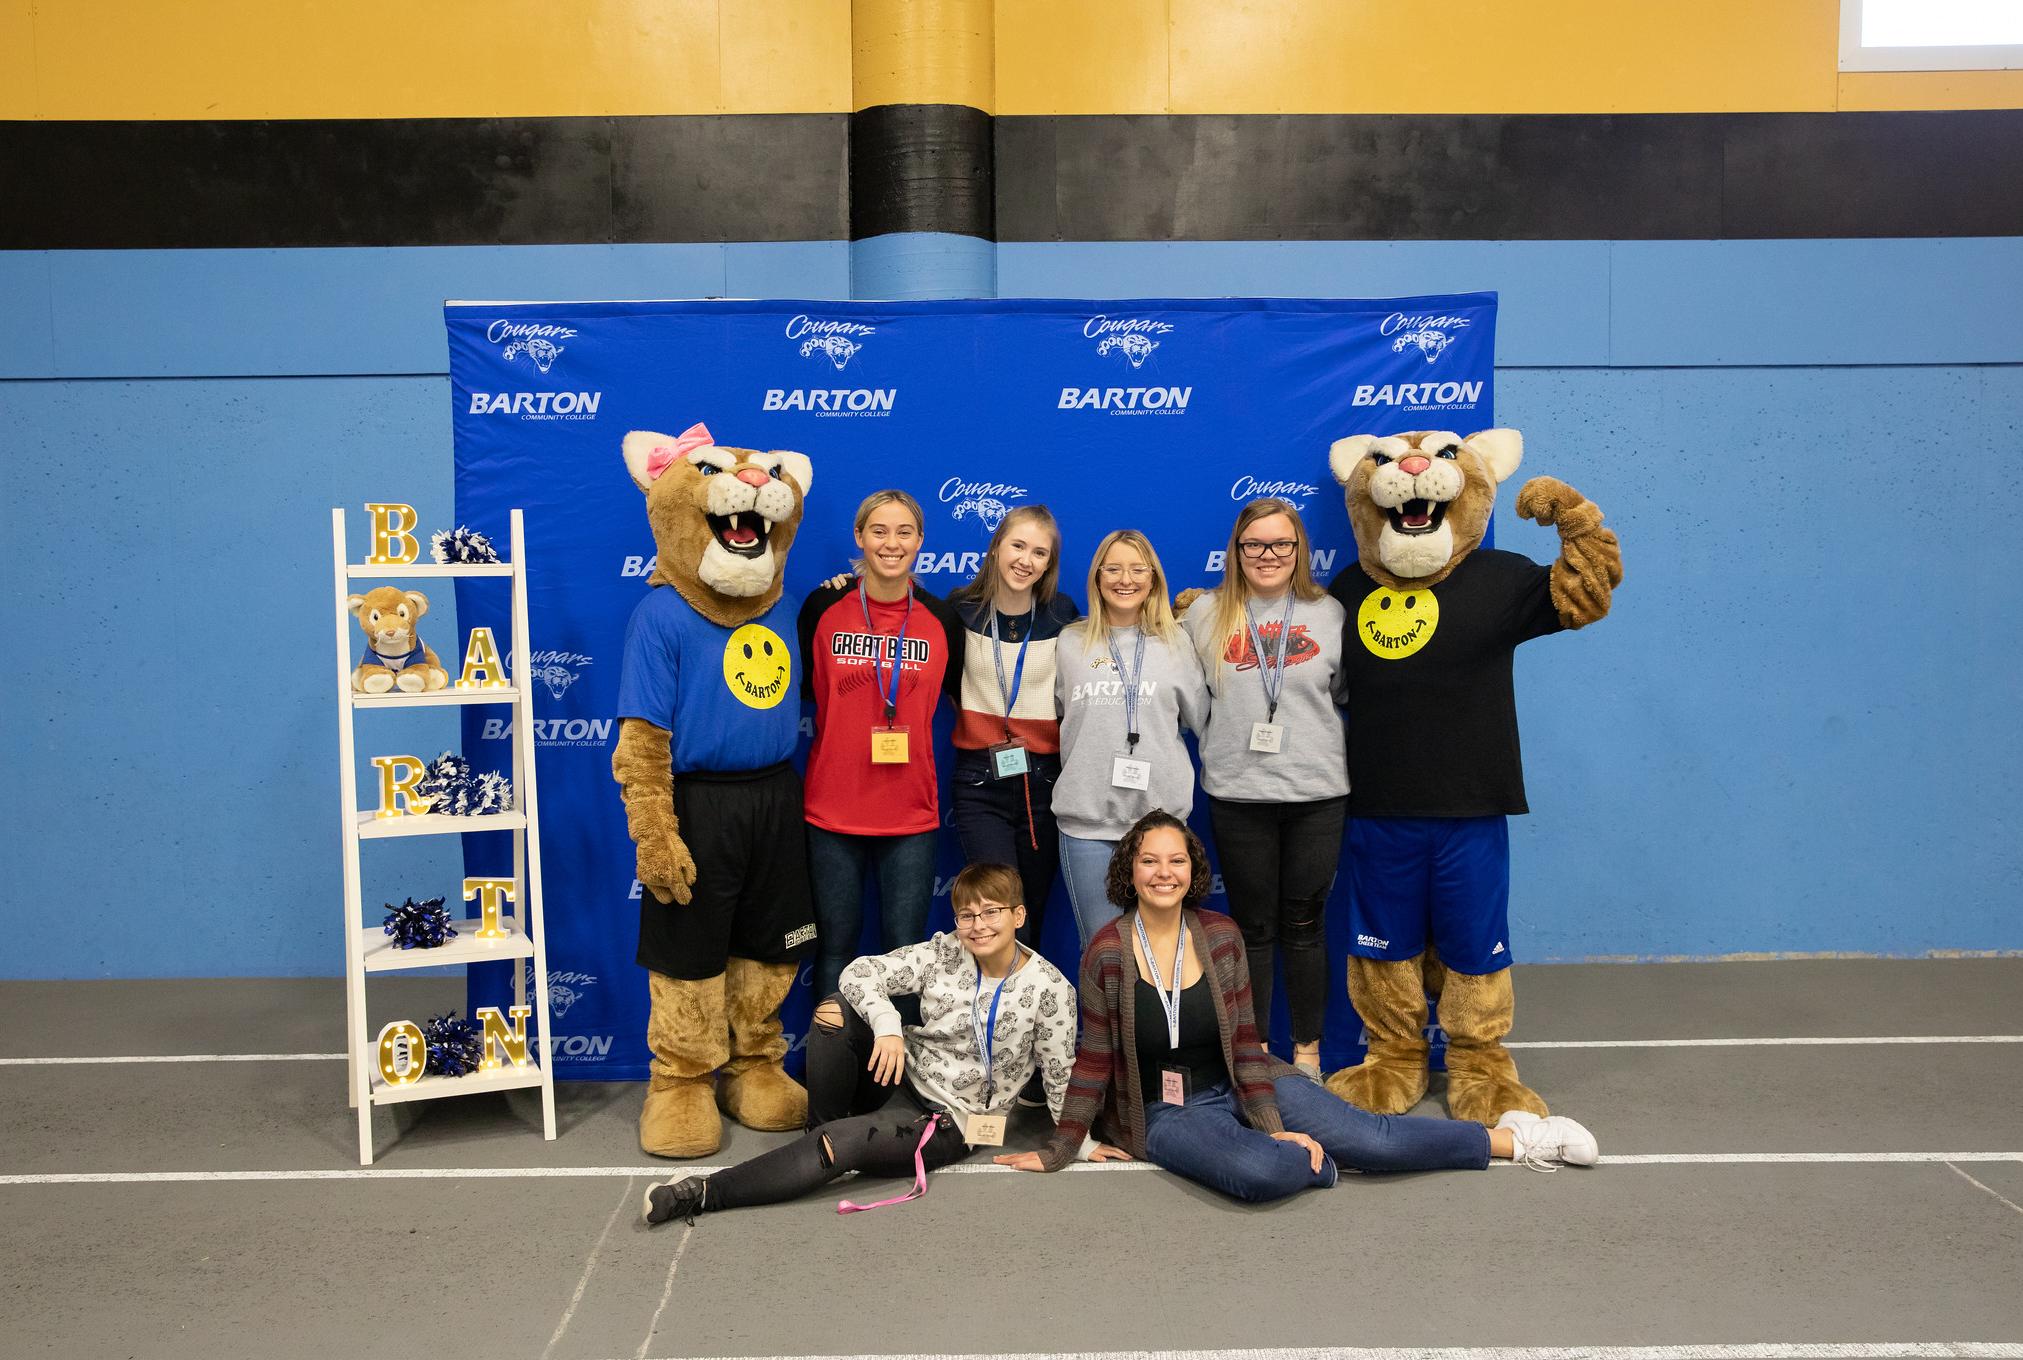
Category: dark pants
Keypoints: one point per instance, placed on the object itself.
(1011, 821)
(854, 1124)
(837, 866)
(1278, 861)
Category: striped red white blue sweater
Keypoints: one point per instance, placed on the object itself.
(1105, 1093)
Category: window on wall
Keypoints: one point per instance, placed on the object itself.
(1931, 35)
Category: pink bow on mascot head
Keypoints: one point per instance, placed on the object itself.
(664, 456)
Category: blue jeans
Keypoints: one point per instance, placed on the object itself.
(837, 864)
(1207, 1141)
(1086, 867)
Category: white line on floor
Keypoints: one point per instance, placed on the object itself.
(452, 1173)
(1979, 1186)
(1750, 1350)
(176, 1058)
(666, 1293)
(583, 1282)
(1816, 1041)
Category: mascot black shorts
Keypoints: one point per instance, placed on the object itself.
(751, 898)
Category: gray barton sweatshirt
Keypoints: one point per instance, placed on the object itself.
(1172, 694)
(1312, 762)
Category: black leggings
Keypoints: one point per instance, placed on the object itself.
(854, 1124)
(1278, 861)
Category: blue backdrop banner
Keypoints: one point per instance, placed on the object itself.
(1164, 415)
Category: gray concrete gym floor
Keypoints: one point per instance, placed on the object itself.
(1765, 1198)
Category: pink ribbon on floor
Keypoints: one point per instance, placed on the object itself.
(919, 1175)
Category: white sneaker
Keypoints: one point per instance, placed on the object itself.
(1543, 1142)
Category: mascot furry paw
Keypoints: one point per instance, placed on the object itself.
(395, 658)
(1434, 768)
(709, 718)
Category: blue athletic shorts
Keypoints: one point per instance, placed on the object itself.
(1443, 878)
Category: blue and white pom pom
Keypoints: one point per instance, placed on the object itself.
(446, 783)
(454, 1045)
(491, 792)
(462, 546)
(419, 925)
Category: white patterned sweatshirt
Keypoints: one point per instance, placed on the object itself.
(1035, 1027)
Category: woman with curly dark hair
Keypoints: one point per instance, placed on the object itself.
(1171, 1071)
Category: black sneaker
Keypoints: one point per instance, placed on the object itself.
(680, 1198)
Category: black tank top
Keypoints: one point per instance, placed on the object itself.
(1200, 1051)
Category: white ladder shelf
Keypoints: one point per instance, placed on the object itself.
(368, 950)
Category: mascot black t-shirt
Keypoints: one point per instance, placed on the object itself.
(1427, 677)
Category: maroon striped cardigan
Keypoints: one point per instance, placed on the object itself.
(1105, 1091)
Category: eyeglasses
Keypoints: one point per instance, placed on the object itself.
(987, 917)
(1117, 573)
(1257, 550)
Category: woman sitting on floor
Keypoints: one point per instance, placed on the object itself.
(988, 1013)
(1172, 1068)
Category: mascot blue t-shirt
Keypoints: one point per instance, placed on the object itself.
(736, 689)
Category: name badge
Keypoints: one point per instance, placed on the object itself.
(984, 1130)
(1173, 1085)
(1008, 760)
(1126, 773)
(1267, 737)
(888, 745)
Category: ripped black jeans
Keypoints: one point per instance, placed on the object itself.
(854, 1124)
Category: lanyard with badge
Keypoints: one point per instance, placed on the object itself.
(1008, 757)
(1173, 1080)
(987, 1130)
(888, 741)
(1269, 736)
(1127, 771)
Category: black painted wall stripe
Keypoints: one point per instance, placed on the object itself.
(1510, 177)
(921, 167)
(423, 182)
(779, 177)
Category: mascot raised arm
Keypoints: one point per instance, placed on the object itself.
(708, 721)
(1434, 768)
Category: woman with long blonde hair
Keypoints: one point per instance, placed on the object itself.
(1274, 761)
(1126, 683)
(1007, 733)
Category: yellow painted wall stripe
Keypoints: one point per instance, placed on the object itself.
(200, 59)
(231, 59)
(923, 52)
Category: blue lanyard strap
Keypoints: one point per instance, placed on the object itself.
(1011, 695)
(1169, 1004)
(889, 693)
(1130, 683)
(1272, 672)
(986, 1031)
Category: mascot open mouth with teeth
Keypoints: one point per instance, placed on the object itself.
(1434, 767)
(709, 720)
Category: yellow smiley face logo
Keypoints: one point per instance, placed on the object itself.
(1397, 623)
(756, 666)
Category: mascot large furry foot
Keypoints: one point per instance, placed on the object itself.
(685, 1029)
(1390, 996)
(1482, 1083)
(756, 1090)
(1433, 763)
(707, 724)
